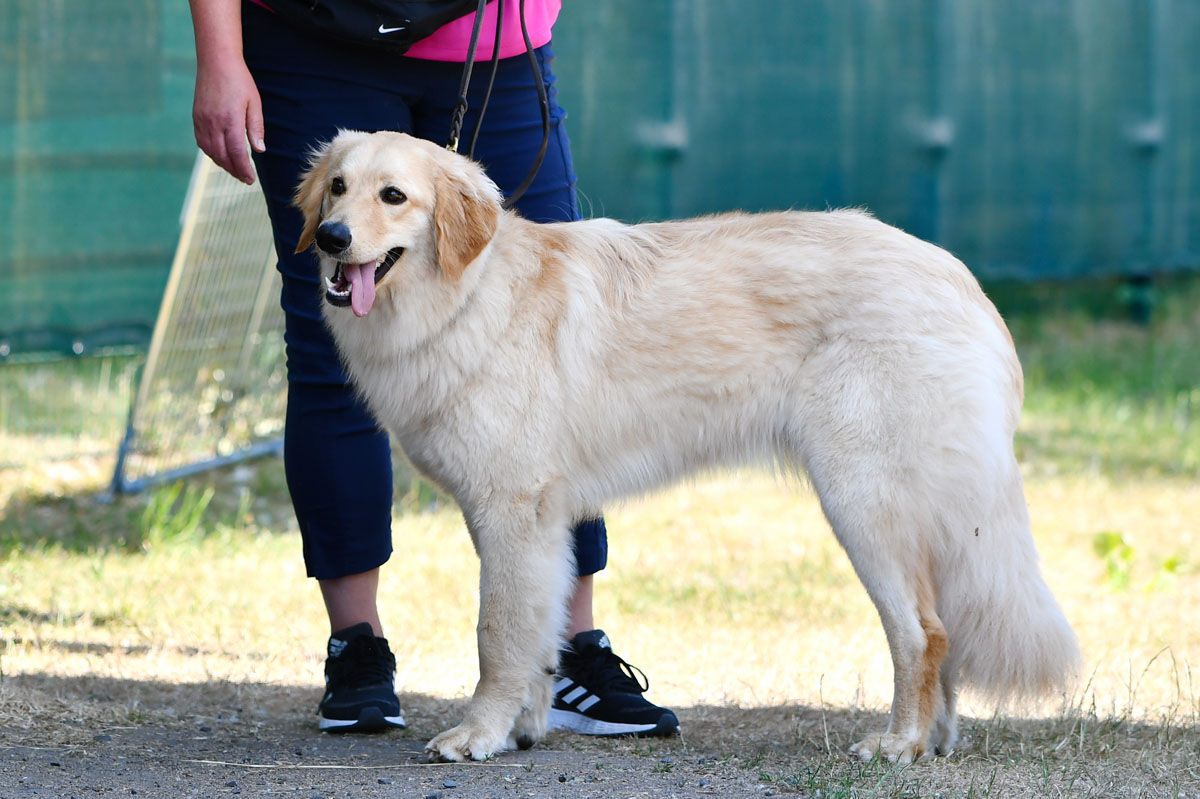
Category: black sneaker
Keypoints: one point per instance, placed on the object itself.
(598, 693)
(360, 694)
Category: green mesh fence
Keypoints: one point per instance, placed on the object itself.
(95, 152)
(1036, 140)
(1042, 140)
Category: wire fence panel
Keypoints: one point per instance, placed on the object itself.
(63, 415)
(214, 386)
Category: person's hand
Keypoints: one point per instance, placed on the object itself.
(227, 111)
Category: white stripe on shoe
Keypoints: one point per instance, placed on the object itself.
(573, 695)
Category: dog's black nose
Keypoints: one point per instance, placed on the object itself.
(333, 237)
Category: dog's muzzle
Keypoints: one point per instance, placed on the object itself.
(354, 284)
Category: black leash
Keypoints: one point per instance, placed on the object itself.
(487, 95)
(460, 108)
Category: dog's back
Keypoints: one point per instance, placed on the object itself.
(718, 339)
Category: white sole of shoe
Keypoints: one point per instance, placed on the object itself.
(365, 721)
(577, 722)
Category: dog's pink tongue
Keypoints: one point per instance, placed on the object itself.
(362, 286)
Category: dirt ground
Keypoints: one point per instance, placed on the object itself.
(82, 736)
(293, 762)
(223, 740)
(219, 740)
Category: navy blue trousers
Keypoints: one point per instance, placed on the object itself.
(337, 459)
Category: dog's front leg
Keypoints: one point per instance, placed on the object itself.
(525, 575)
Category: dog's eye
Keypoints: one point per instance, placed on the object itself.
(392, 196)
(337, 187)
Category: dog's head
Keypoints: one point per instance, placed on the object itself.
(379, 204)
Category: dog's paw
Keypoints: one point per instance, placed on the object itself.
(945, 736)
(529, 728)
(464, 742)
(895, 748)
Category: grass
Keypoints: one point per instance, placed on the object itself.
(1105, 396)
(58, 419)
(729, 591)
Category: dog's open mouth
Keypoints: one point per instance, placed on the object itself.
(354, 284)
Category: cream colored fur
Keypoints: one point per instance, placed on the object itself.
(536, 372)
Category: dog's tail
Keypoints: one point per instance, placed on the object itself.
(1008, 638)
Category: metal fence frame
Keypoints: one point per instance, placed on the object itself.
(212, 390)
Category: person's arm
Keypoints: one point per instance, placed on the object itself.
(226, 109)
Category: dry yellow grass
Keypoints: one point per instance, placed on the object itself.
(729, 592)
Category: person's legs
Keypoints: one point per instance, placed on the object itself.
(591, 556)
(337, 460)
(351, 600)
(580, 617)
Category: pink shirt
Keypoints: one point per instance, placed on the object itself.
(450, 42)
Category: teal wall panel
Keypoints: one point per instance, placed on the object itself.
(95, 154)
(1034, 138)
(1044, 139)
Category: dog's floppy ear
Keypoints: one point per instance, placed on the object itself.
(310, 193)
(465, 215)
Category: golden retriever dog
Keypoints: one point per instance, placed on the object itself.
(538, 371)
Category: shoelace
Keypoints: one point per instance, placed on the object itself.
(365, 661)
(601, 669)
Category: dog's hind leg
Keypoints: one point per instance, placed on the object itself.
(945, 726)
(918, 643)
(525, 576)
(884, 546)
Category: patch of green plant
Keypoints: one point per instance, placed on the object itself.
(1116, 550)
(845, 778)
(174, 514)
(179, 512)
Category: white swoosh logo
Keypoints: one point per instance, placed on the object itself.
(390, 30)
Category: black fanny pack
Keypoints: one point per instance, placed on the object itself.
(393, 25)
(396, 25)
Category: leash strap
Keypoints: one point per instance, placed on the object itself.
(460, 108)
(487, 94)
(544, 104)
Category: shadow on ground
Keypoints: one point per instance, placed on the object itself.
(87, 735)
(75, 736)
